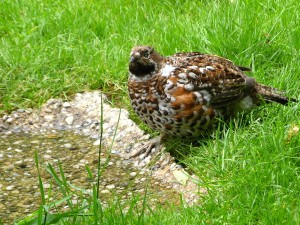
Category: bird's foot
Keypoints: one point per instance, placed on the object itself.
(149, 151)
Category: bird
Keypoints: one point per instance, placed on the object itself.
(185, 95)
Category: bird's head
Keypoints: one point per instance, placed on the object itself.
(143, 60)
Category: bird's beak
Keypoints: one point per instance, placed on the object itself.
(134, 56)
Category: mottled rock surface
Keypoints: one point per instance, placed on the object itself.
(81, 116)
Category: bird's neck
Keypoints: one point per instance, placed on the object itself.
(141, 69)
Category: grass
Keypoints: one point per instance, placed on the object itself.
(56, 48)
(252, 174)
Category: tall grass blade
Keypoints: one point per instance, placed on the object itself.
(41, 210)
(62, 184)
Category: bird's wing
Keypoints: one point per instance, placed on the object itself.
(219, 78)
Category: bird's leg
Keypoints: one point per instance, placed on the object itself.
(145, 150)
(149, 149)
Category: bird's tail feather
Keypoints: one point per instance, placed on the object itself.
(270, 94)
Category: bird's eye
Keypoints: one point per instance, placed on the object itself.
(146, 54)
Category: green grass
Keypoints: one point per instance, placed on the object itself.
(252, 173)
(56, 48)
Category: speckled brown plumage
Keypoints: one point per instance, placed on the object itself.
(184, 95)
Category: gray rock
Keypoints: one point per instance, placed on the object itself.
(3, 127)
(47, 156)
(133, 174)
(46, 185)
(97, 142)
(110, 186)
(105, 192)
(28, 110)
(68, 145)
(5, 117)
(10, 120)
(69, 120)
(10, 187)
(47, 110)
(66, 105)
(48, 117)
